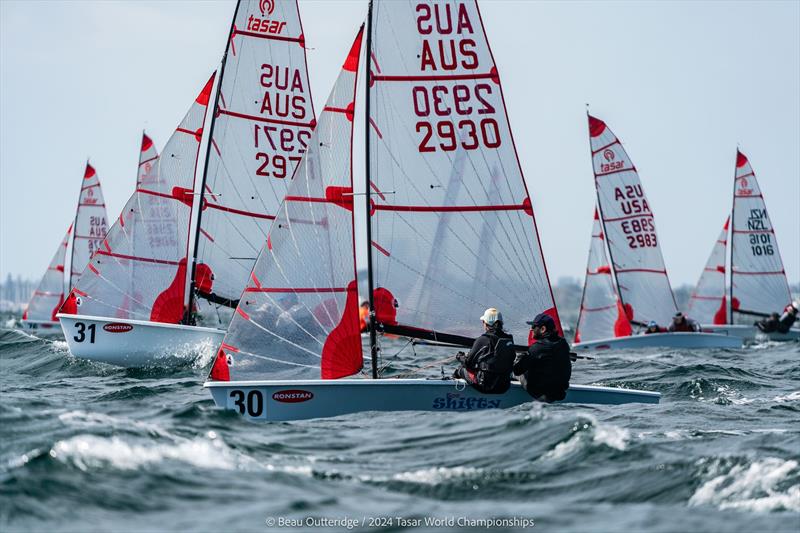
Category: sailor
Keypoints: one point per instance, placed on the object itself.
(769, 324)
(363, 316)
(653, 327)
(681, 322)
(487, 366)
(544, 370)
(789, 316)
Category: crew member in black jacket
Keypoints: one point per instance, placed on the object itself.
(544, 370)
(487, 366)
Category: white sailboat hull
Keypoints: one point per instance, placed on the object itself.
(299, 400)
(41, 328)
(134, 343)
(662, 340)
(751, 333)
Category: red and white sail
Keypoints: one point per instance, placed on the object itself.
(90, 226)
(298, 315)
(758, 279)
(139, 271)
(630, 230)
(435, 91)
(49, 294)
(263, 121)
(147, 172)
(708, 303)
(601, 314)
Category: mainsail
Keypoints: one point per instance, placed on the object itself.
(708, 303)
(49, 294)
(630, 230)
(601, 315)
(139, 272)
(90, 226)
(758, 279)
(298, 315)
(263, 118)
(434, 91)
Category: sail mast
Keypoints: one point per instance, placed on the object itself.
(189, 297)
(373, 337)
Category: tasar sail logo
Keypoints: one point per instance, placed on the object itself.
(266, 7)
(609, 155)
(117, 327)
(292, 396)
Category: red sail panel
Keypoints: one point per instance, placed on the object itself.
(90, 226)
(139, 271)
(708, 302)
(49, 294)
(630, 230)
(602, 315)
(435, 96)
(298, 315)
(758, 279)
(263, 122)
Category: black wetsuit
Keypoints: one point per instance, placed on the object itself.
(487, 366)
(545, 368)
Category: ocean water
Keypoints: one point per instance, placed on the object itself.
(89, 447)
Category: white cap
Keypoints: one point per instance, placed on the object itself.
(491, 315)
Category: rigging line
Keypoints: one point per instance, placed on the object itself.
(281, 361)
(291, 317)
(283, 339)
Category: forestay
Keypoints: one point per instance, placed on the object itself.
(435, 96)
(601, 313)
(140, 270)
(298, 316)
(758, 279)
(49, 294)
(630, 230)
(263, 121)
(90, 226)
(708, 303)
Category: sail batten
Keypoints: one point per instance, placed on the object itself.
(90, 225)
(49, 294)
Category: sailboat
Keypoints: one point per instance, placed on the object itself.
(83, 238)
(758, 283)
(293, 349)
(40, 313)
(633, 288)
(129, 303)
(261, 122)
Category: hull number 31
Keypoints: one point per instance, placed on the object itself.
(82, 330)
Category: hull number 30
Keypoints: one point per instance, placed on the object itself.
(82, 330)
(250, 403)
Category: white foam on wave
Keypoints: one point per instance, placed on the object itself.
(601, 433)
(753, 487)
(86, 419)
(60, 346)
(436, 475)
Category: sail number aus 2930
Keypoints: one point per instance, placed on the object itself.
(469, 132)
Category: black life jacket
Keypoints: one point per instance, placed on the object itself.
(493, 368)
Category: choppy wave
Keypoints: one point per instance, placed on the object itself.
(98, 447)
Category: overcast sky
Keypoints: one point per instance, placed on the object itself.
(680, 83)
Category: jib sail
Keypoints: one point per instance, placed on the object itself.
(434, 97)
(139, 271)
(263, 118)
(49, 294)
(630, 230)
(708, 302)
(758, 279)
(602, 315)
(298, 315)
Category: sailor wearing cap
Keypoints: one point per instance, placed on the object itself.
(544, 370)
(487, 366)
